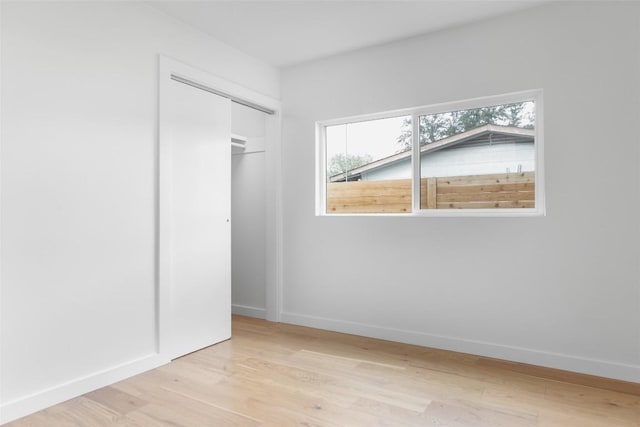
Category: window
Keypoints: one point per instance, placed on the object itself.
(476, 157)
(360, 178)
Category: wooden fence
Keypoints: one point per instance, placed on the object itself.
(507, 190)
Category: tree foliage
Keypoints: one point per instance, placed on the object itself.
(438, 126)
(341, 163)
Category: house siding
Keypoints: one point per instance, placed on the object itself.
(475, 160)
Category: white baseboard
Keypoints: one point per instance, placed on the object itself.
(602, 368)
(26, 405)
(245, 310)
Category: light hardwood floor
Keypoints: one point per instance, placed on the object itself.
(282, 375)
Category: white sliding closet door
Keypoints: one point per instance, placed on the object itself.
(198, 127)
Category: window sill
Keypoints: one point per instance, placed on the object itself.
(448, 213)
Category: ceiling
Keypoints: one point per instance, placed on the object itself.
(284, 33)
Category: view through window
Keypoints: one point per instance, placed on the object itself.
(469, 159)
(478, 158)
(353, 150)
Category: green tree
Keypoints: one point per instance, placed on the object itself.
(341, 163)
(437, 126)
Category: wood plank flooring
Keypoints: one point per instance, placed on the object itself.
(280, 375)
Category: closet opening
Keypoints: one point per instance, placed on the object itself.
(248, 211)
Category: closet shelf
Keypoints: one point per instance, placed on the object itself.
(238, 141)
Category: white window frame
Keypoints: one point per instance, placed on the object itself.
(485, 101)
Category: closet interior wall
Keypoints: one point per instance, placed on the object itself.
(248, 213)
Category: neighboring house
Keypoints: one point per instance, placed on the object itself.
(486, 149)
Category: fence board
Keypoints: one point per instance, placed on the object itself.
(486, 188)
(432, 193)
(486, 197)
(395, 187)
(503, 178)
(388, 196)
(514, 190)
(487, 205)
(387, 208)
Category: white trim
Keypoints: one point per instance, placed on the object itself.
(167, 67)
(245, 310)
(535, 95)
(321, 169)
(59, 393)
(443, 107)
(163, 240)
(415, 163)
(506, 212)
(479, 102)
(1, 127)
(539, 153)
(274, 254)
(602, 368)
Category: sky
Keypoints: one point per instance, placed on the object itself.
(378, 138)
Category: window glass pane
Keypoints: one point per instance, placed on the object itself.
(482, 158)
(369, 166)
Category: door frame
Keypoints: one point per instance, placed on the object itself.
(273, 301)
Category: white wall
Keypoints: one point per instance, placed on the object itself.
(248, 214)
(79, 146)
(560, 290)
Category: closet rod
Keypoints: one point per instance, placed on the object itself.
(223, 94)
